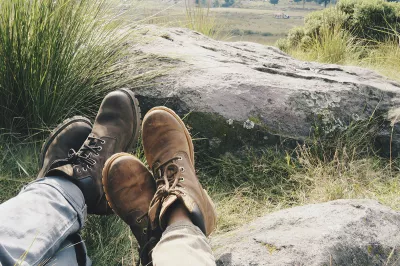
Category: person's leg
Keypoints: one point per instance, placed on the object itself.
(47, 211)
(178, 206)
(181, 208)
(35, 223)
(71, 253)
(183, 240)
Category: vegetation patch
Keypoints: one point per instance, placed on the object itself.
(354, 32)
(59, 59)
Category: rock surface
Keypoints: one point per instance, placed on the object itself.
(250, 93)
(342, 232)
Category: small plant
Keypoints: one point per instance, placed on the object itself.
(200, 19)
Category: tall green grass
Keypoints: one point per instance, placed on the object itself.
(385, 57)
(58, 58)
(332, 45)
(199, 18)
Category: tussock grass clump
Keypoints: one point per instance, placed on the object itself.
(58, 60)
(200, 19)
(332, 45)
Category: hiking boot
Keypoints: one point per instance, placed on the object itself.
(129, 187)
(169, 151)
(70, 134)
(116, 129)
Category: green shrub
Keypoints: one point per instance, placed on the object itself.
(283, 44)
(330, 18)
(367, 20)
(294, 37)
(58, 60)
(306, 42)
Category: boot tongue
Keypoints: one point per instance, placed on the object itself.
(171, 170)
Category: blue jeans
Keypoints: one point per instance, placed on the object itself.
(41, 224)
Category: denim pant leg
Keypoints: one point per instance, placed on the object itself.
(72, 252)
(35, 223)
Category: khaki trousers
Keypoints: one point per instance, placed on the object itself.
(183, 244)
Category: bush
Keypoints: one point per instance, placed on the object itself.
(294, 37)
(366, 20)
(59, 58)
(369, 19)
(283, 44)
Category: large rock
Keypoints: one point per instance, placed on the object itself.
(250, 93)
(342, 232)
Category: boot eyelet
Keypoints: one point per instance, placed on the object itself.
(145, 231)
(84, 169)
(181, 179)
(103, 142)
(78, 170)
(180, 158)
(182, 169)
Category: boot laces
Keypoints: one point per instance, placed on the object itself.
(83, 156)
(167, 180)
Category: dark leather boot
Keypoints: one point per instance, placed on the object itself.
(70, 134)
(169, 152)
(129, 187)
(116, 129)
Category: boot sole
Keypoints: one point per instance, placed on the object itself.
(187, 134)
(138, 121)
(104, 179)
(55, 132)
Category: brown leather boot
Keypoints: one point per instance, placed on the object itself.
(169, 151)
(116, 129)
(70, 134)
(129, 187)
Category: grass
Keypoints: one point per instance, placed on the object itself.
(337, 46)
(245, 185)
(385, 58)
(248, 23)
(200, 19)
(332, 45)
(59, 58)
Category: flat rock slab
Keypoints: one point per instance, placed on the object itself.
(341, 232)
(233, 88)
